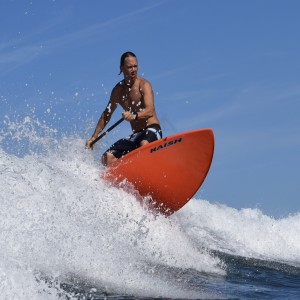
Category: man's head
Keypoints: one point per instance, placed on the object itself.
(129, 65)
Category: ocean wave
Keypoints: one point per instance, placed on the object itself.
(60, 223)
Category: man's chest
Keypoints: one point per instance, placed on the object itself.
(131, 98)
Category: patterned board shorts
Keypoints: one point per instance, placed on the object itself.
(123, 146)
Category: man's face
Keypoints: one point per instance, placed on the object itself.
(130, 68)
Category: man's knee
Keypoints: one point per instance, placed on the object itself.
(107, 159)
(144, 142)
(104, 159)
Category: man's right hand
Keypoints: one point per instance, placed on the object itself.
(88, 143)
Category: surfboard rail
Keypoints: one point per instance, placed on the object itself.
(170, 170)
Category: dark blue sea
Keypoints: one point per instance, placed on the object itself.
(66, 234)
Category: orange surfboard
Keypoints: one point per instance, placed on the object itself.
(169, 170)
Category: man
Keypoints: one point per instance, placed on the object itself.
(135, 95)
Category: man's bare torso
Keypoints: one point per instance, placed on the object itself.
(131, 98)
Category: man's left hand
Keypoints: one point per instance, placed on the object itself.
(128, 116)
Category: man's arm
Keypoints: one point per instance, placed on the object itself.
(105, 117)
(148, 111)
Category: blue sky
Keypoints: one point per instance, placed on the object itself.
(233, 66)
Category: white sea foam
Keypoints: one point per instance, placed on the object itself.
(60, 221)
(246, 232)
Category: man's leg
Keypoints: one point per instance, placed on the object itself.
(107, 159)
(143, 142)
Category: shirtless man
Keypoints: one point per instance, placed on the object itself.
(135, 95)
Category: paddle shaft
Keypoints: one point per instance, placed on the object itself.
(107, 131)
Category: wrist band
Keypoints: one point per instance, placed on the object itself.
(135, 114)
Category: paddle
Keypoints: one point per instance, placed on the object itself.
(107, 131)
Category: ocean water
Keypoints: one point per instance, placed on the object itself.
(66, 234)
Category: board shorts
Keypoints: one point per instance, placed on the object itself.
(123, 146)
